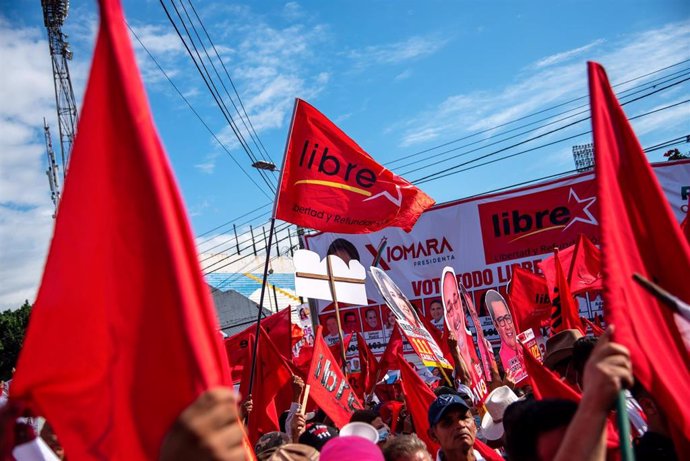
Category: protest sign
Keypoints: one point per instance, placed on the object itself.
(421, 340)
(510, 352)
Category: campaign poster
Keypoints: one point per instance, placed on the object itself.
(510, 351)
(455, 322)
(419, 338)
(486, 352)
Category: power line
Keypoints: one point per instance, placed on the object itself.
(448, 172)
(437, 159)
(220, 143)
(231, 83)
(536, 113)
(211, 87)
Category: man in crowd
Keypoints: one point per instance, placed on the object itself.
(452, 426)
(406, 448)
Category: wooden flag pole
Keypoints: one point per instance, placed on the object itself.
(303, 406)
(331, 284)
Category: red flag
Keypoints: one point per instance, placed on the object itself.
(419, 398)
(634, 214)
(545, 383)
(329, 387)
(583, 261)
(271, 376)
(529, 301)
(565, 314)
(279, 328)
(596, 329)
(368, 365)
(389, 359)
(337, 350)
(123, 334)
(331, 184)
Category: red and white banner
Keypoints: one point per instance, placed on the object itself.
(482, 238)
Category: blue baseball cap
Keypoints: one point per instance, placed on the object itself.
(442, 404)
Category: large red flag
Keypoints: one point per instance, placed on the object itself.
(640, 235)
(330, 389)
(545, 383)
(271, 376)
(368, 364)
(331, 184)
(583, 263)
(123, 334)
(565, 314)
(529, 300)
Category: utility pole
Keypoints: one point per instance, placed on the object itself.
(54, 14)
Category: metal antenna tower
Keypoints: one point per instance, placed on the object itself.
(54, 14)
(53, 169)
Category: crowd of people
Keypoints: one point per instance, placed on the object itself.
(509, 424)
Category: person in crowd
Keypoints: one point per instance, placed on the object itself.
(559, 354)
(452, 426)
(492, 422)
(295, 421)
(656, 444)
(269, 443)
(208, 429)
(295, 452)
(534, 429)
(436, 312)
(406, 448)
(316, 435)
(373, 418)
(350, 447)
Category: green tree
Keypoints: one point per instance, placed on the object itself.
(12, 328)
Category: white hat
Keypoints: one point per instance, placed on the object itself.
(496, 403)
(360, 429)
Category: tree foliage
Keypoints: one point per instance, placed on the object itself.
(13, 325)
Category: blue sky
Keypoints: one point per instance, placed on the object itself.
(398, 77)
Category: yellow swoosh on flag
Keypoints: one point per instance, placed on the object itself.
(536, 232)
(336, 185)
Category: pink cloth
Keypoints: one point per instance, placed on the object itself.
(350, 447)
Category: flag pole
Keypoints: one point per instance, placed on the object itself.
(268, 255)
(331, 284)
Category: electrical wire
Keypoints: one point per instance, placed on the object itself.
(220, 143)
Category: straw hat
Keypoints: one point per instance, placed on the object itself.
(496, 403)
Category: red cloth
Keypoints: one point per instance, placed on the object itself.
(271, 376)
(369, 366)
(583, 262)
(389, 359)
(565, 314)
(279, 328)
(336, 350)
(331, 184)
(596, 330)
(640, 235)
(123, 334)
(545, 383)
(419, 398)
(529, 301)
(329, 387)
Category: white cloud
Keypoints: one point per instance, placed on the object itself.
(27, 95)
(564, 78)
(404, 75)
(398, 52)
(566, 55)
(292, 11)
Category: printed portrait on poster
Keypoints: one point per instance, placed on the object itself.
(510, 352)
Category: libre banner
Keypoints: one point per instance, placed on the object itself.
(482, 239)
(455, 322)
(419, 338)
(331, 184)
(329, 387)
